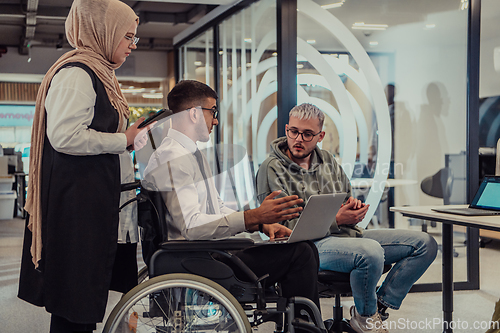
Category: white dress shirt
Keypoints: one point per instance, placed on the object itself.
(70, 109)
(174, 171)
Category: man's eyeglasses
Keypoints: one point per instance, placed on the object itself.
(214, 111)
(133, 40)
(292, 133)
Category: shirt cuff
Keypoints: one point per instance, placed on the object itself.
(236, 222)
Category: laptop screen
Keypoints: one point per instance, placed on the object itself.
(488, 195)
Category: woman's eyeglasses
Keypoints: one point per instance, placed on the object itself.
(133, 40)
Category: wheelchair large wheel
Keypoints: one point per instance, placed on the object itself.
(178, 303)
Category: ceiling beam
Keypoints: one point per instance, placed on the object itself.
(196, 13)
(155, 17)
(11, 11)
(188, 17)
(43, 12)
(29, 32)
(32, 5)
(53, 13)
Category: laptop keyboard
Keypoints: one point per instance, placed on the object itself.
(489, 212)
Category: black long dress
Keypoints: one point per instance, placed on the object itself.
(80, 199)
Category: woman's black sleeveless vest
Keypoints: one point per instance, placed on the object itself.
(80, 200)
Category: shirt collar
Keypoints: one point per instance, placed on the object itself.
(183, 140)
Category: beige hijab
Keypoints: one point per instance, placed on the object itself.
(94, 28)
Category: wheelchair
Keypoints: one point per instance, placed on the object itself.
(193, 287)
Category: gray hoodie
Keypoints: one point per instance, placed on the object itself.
(279, 172)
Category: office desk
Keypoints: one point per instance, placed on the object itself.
(448, 220)
(368, 182)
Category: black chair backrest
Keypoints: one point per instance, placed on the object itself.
(439, 185)
(151, 216)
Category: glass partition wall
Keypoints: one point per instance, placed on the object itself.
(247, 92)
(394, 81)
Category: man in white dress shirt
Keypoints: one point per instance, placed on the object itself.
(196, 212)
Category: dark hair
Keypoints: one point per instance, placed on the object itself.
(187, 94)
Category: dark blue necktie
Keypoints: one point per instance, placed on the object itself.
(201, 165)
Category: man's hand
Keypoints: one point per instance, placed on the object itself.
(352, 212)
(272, 211)
(276, 230)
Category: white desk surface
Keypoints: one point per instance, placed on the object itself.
(368, 182)
(423, 212)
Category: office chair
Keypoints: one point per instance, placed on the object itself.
(438, 185)
(337, 284)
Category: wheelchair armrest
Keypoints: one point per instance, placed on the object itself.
(130, 186)
(223, 244)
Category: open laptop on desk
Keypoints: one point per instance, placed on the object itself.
(486, 202)
(315, 220)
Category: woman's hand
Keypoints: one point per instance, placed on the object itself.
(137, 137)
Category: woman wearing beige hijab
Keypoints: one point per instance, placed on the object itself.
(70, 243)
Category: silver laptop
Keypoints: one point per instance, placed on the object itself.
(315, 220)
(486, 201)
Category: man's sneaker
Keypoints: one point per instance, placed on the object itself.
(371, 324)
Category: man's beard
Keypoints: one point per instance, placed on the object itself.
(300, 157)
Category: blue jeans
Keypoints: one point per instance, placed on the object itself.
(410, 252)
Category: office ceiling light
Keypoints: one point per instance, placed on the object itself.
(275, 54)
(311, 41)
(198, 63)
(248, 40)
(373, 43)
(365, 26)
(430, 26)
(464, 4)
(300, 66)
(333, 5)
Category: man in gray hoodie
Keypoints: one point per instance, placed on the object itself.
(298, 166)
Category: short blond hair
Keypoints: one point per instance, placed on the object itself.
(307, 111)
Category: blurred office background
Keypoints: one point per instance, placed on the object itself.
(411, 90)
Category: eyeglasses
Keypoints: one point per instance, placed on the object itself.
(214, 111)
(292, 133)
(133, 40)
